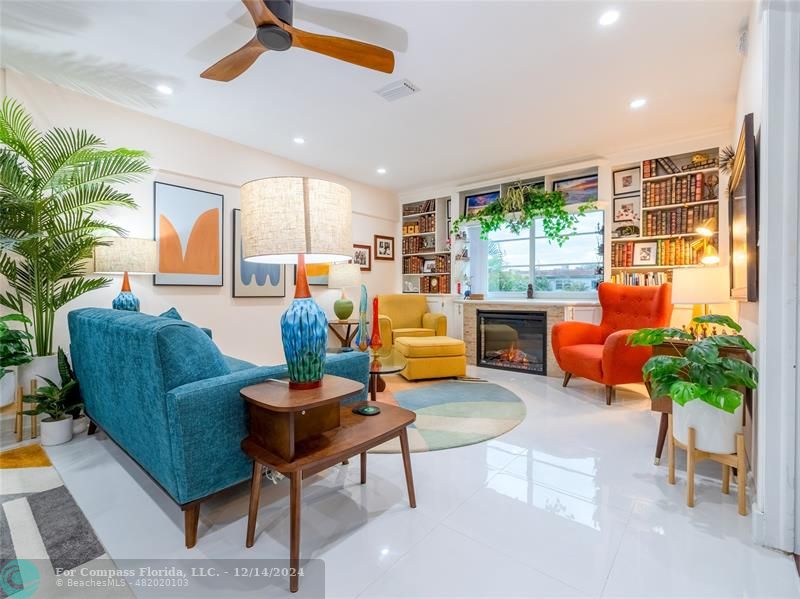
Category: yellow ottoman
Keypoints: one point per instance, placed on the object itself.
(432, 357)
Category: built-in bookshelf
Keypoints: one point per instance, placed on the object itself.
(425, 247)
(655, 228)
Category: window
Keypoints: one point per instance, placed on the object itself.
(573, 269)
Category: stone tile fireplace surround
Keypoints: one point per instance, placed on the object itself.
(557, 311)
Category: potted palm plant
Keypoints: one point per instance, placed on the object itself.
(15, 350)
(51, 185)
(701, 382)
(53, 400)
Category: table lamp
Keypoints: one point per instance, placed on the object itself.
(707, 229)
(294, 220)
(342, 276)
(125, 256)
(700, 287)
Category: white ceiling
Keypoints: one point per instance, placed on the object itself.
(504, 84)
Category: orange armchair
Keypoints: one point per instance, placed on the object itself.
(599, 352)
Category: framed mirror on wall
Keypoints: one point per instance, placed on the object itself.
(743, 216)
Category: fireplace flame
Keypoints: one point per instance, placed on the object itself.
(513, 355)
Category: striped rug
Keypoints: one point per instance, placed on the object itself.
(41, 529)
(451, 413)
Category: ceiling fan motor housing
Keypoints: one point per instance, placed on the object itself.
(273, 37)
(283, 9)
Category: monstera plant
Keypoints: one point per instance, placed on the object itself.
(51, 185)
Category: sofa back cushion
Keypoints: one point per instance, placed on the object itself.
(405, 310)
(634, 307)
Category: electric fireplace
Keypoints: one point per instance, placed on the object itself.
(513, 340)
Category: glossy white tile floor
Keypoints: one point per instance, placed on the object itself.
(567, 504)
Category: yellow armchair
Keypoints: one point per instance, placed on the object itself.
(405, 315)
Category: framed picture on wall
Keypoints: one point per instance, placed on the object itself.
(477, 202)
(188, 225)
(317, 274)
(645, 253)
(743, 216)
(251, 279)
(577, 190)
(627, 180)
(626, 209)
(384, 247)
(362, 255)
(448, 208)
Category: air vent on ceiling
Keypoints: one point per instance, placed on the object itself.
(397, 89)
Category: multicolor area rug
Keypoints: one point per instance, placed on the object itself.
(451, 413)
(42, 529)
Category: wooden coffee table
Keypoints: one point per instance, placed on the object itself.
(350, 327)
(299, 432)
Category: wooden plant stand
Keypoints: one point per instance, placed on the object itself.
(736, 460)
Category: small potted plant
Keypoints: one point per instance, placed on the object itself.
(15, 350)
(54, 400)
(701, 382)
(73, 405)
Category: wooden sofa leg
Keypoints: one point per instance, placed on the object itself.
(567, 376)
(610, 394)
(191, 518)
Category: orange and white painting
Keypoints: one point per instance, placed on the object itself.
(188, 226)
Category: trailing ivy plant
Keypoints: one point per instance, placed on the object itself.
(700, 373)
(517, 210)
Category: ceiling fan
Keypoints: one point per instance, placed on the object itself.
(274, 31)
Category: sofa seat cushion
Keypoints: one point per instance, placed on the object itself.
(584, 360)
(235, 364)
(429, 347)
(412, 332)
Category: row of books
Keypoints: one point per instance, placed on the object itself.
(435, 284)
(413, 265)
(664, 252)
(425, 224)
(675, 190)
(668, 166)
(677, 221)
(417, 245)
(642, 279)
(419, 207)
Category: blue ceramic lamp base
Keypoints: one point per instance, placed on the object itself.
(126, 300)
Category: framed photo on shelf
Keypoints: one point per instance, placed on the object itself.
(429, 266)
(362, 255)
(645, 253)
(626, 209)
(384, 247)
(577, 190)
(477, 202)
(188, 225)
(252, 279)
(627, 180)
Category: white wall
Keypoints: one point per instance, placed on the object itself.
(245, 328)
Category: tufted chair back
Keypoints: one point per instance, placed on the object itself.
(634, 307)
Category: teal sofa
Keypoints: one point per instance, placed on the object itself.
(162, 390)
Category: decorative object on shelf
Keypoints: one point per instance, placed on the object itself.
(701, 287)
(342, 276)
(626, 209)
(529, 292)
(645, 253)
(362, 255)
(577, 190)
(15, 350)
(76, 175)
(251, 279)
(743, 217)
(362, 337)
(627, 181)
(475, 204)
(726, 159)
(429, 266)
(375, 342)
(285, 220)
(625, 229)
(518, 209)
(125, 256)
(384, 247)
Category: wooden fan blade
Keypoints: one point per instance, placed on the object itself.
(261, 14)
(360, 53)
(236, 63)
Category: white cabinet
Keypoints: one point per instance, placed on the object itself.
(592, 314)
(444, 304)
(455, 325)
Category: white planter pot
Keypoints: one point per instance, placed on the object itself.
(8, 388)
(55, 432)
(715, 429)
(80, 424)
(40, 366)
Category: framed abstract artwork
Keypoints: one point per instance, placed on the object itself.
(477, 202)
(645, 254)
(577, 190)
(188, 227)
(362, 255)
(251, 279)
(317, 274)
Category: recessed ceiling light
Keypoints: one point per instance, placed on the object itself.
(638, 103)
(381, 171)
(608, 18)
(299, 141)
(164, 89)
